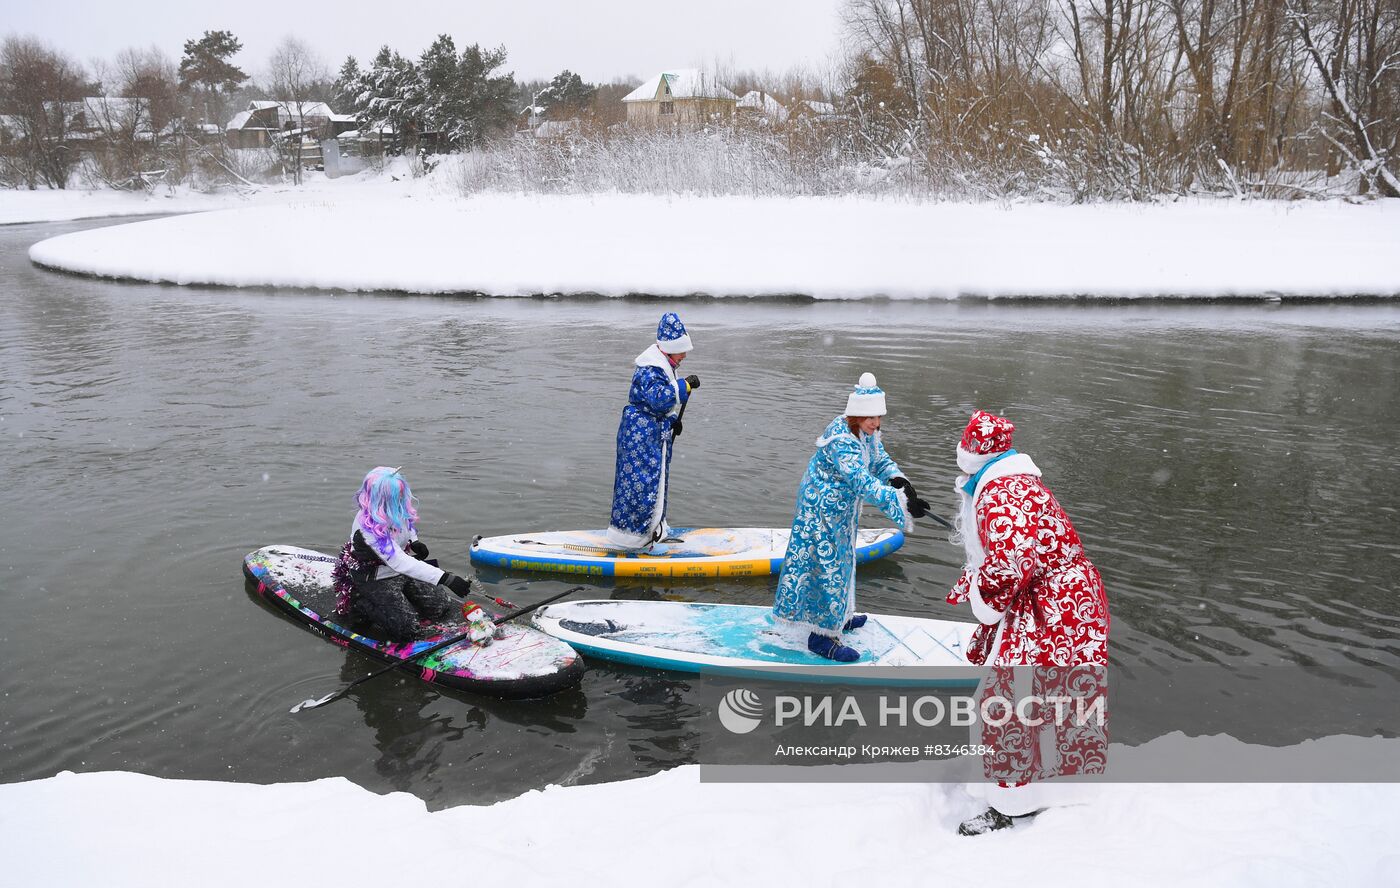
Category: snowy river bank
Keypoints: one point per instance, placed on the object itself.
(118, 829)
(417, 241)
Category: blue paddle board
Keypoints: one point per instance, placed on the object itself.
(745, 641)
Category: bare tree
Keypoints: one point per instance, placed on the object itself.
(297, 77)
(1355, 50)
(35, 83)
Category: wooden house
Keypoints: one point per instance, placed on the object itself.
(685, 97)
(264, 119)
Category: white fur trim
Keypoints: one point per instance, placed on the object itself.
(654, 357)
(675, 346)
(971, 463)
(983, 611)
(865, 405)
(1014, 801)
(795, 632)
(904, 507)
(1016, 464)
(622, 539)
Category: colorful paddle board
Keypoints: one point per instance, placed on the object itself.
(689, 552)
(519, 662)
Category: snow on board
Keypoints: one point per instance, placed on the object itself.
(744, 641)
(520, 662)
(689, 552)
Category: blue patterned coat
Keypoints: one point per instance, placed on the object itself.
(644, 450)
(818, 584)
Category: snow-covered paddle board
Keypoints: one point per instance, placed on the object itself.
(521, 662)
(689, 552)
(741, 640)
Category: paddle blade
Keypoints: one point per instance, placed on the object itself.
(312, 704)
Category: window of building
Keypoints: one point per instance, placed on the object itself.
(668, 107)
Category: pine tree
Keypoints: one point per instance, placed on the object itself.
(456, 96)
(206, 65)
(346, 90)
(206, 62)
(566, 97)
(488, 108)
(379, 102)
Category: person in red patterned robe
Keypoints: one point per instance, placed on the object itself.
(1043, 630)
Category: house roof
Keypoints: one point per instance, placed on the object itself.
(822, 108)
(239, 120)
(684, 83)
(308, 109)
(101, 111)
(761, 101)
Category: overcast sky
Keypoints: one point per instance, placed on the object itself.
(599, 40)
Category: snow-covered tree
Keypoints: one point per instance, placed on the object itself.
(457, 96)
(346, 88)
(206, 66)
(465, 100)
(566, 97)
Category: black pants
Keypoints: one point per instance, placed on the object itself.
(395, 604)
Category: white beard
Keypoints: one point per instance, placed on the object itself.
(965, 529)
(965, 522)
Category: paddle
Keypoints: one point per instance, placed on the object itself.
(940, 520)
(456, 639)
(679, 417)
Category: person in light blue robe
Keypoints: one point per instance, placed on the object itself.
(816, 590)
(650, 424)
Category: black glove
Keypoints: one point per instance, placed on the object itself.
(693, 381)
(917, 508)
(418, 550)
(675, 430)
(460, 586)
(899, 482)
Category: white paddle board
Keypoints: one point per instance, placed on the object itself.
(745, 641)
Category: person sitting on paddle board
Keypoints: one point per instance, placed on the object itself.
(817, 588)
(1041, 603)
(383, 575)
(650, 424)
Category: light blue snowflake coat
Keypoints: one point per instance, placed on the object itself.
(818, 584)
(644, 451)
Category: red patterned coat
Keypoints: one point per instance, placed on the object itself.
(1037, 575)
(1053, 618)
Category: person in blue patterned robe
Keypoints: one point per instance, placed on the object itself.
(817, 587)
(650, 424)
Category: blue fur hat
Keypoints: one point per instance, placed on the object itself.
(671, 336)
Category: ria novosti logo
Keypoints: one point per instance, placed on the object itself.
(740, 711)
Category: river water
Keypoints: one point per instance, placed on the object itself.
(1229, 466)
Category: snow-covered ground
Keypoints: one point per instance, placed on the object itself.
(18, 206)
(116, 829)
(369, 237)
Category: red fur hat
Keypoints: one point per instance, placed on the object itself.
(987, 433)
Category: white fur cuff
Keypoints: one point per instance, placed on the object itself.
(983, 611)
(904, 507)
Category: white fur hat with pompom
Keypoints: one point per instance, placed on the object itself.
(867, 400)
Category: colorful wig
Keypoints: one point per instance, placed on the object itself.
(386, 505)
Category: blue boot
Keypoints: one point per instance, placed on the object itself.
(855, 622)
(825, 646)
